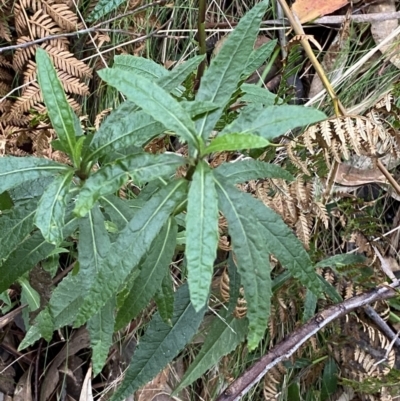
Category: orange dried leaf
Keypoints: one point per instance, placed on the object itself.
(308, 10)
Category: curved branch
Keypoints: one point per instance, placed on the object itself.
(295, 340)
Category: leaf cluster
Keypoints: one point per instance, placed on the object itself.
(120, 270)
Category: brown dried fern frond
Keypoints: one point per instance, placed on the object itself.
(5, 105)
(224, 286)
(297, 162)
(65, 18)
(23, 54)
(386, 102)
(30, 72)
(5, 63)
(298, 203)
(42, 24)
(6, 76)
(5, 32)
(320, 211)
(29, 97)
(100, 117)
(72, 84)
(67, 62)
(32, 5)
(20, 21)
(4, 86)
(17, 120)
(241, 306)
(338, 136)
(303, 229)
(272, 382)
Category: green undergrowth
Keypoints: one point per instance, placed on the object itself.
(124, 250)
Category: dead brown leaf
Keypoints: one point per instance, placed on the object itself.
(86, 394)
(308, 10)
(163, 384)
(23, 391)
(78, 341)
(380, 30)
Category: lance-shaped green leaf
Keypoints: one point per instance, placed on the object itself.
(104, 7)
(196, 108)
(249, 246)
(168, 80)
(45, 325)
(246, 170)
(341, 260)
(101, 330)
(310, 306)
(225, 334)
(67, 297)
(222, 77)
(273, 121)
(142, 167)
(16, 170)
(117, 210)
(33, 334)
(140, 66)
(179, 73)
(161, 344)
(28, 294)
(51, 209)
(30, 189)
(164, 298)
(258, 57)
(125, 126)
(24, 258)
(235, 142)
(152, 271)
(155, 101)
(281, 242)
(329, 380)
(129, 248)
(259, 96)
(201, 234)
(93, 246)
(15, 227)
(62, 117)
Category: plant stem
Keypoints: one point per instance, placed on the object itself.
(201, 32)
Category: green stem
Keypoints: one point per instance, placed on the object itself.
(202, 39)
(269, 66)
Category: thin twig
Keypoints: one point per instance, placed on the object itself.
(39, 351)
(141, 39)
(81, 31)
(291, 344)
(90, 35)
(136, 10)
(281, 33)
(327, 20)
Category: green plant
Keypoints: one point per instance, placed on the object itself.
(121, 269)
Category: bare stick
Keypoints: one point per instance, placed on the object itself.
(81, 31)
(288, 347)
